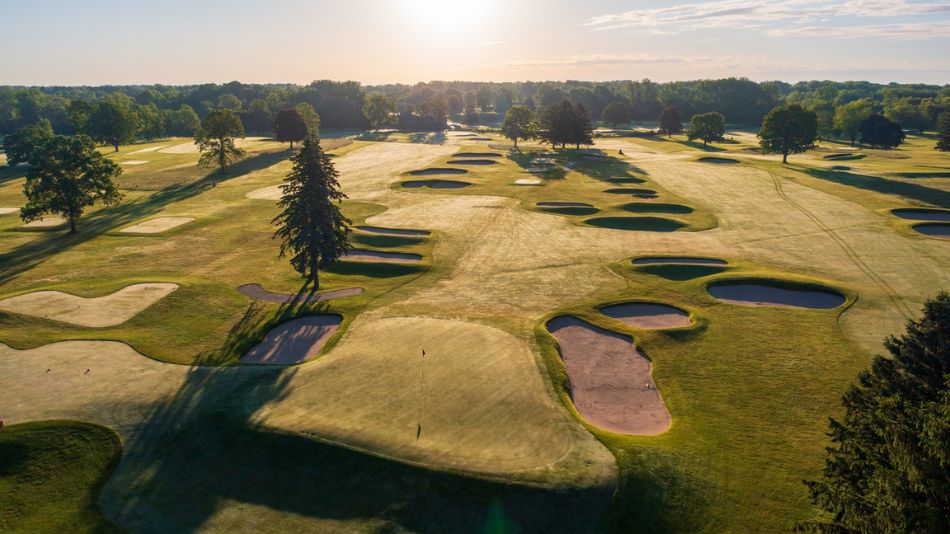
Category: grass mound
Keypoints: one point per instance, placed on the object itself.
(680, 272)
(647, 207)
(437, 170)
(721, 161)
(645, 224)
(51, 474)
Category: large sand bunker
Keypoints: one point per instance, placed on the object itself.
(765, 293)
(45, 222)
(630, 191)
(611, 384)
(471, 162)
(257, 292)
(437, 170)
(156, 225)
(626, 180)
(645, 224)
(933, 229)
(436, 184)
(528, 181)
(271, 192)
(922, 214)
(295, 341)
(133, 162)
(659, 207)
(4, 211)
(476, 155)
(393, 231)
(149, 149)
(95, 312)
(678, 259)
(648, 315)
(373, 255)
(712, 159)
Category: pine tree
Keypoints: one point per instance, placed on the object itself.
(311, 228)
(943, 131)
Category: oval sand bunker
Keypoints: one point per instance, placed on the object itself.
(436, 184)
(471, 162)
(95, 312)
(763, 294)
(648, 315)
(933, 229)
(295, 341)
(611, 384)
(156, 225)
(393, 231)
(678, 259)
(922, 214)
(372, 255)
(437, 170)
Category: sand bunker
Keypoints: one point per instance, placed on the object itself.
(630, 191)
(648, 315)
(436, 184)
(678, 259)
(626, 180)
(611, 384)
(389, 257)
(646, 224)
(183, 148)
(933, 229)
(482, 139)
(46, 222)
(150, 149)
(257, 292)
(156, 225)
(477, 155)
(647, 207)
(528, 181)
(295, 341)
(4, 211)
(844, 156)
(272, 192)
(840, 168)
(133, 162)
(437, 170)
(767, 294)
(564, 205)
(922, 214)
(392, 231)
(95, 312)
(471, 162)
(712, 159)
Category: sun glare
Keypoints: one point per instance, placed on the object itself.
(435, 17)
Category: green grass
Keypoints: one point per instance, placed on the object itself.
(679, 272)
(51, 474)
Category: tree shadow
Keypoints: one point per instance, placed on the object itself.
(8, 174)
(877, 184)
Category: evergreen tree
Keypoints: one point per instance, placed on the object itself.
(215, 139)
(289, 126)
(707, 126)
(943, 131)
(67, 175)
(788, 129)
(671, 121)
(311, 228)
(889, 468)
(878, 131)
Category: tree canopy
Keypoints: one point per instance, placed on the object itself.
(848, 118)
(67, 175)
(310, 226)
(215, 139)
(114, 121)
(615, 114)
(707, 126)
(20, 144)
(310, 117)
(671, 121)
(788, 129)
(943, 131)
(519, 124)
(564, 123)
(289, 126)
(878, 131)
(379, 109)
(889, 467)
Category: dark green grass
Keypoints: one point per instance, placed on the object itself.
(920, 193)
(713, 159)
(51, 474)
(384, 241)
(659, 207)
(646, 224)
(626, 180)
(844, 157)
(679, 272)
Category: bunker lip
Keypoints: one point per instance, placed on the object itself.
(156, 225)
(688, 260)
(436, 184)
(611, 382)
(756, 292)
(564, 205)
(648, 207)
(922, 214)
(257, 292)
(295, 341)
(437, 170)
(477, 155)
(933, 229)
(392, 231)
(376, 256)
(713, 159)
(648, 315)
(643, 224)
(471, 162)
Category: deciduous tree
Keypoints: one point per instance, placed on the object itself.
(289, 126)
(943, 131)
(848, 117)
(215, 139)
(878, 131)
(379, 110)
(519, 125)
(114, 121)
(66, 176)
(788, 129)
(671, 121)
(615, 114)
(310, 117)
(19, 145)
(707, 126)
(312, 230)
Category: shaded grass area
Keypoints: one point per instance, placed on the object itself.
(878, 184)
(51, 474)
(679, 272)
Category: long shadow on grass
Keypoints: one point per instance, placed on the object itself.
(52, 242)
(200, 450)
(877, 184)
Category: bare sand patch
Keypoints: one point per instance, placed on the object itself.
(933, 229)
(437, 170)
(271, 192)
(149, 149)
(295, 341)
(611, 382)
(648, 315)
(922, 214)
(678, 259)
(436, 184)
(5, 211)
(765, 294)
(257, 292)
(46, 222)
(156, 225)
(133, 162)
(182, 148)
(95, 312)
(373, 255)
(393, 231)
(528, 181)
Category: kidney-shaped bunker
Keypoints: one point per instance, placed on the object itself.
(773, 293)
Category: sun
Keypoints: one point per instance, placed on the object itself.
(447, 17)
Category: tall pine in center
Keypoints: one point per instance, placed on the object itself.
(311, 228)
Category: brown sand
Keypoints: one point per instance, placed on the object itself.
(156, 225)
(393, 231)
(611, 384)
(4, 211)
(46, 222)
(767, 295)
(295, 341)
(271, 192)
(96, 312)
(257, 292)
(528, 181)
(389, 257)
(678, 259)
(648, 315)
(133, 162)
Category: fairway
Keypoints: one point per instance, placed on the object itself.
(747, 293)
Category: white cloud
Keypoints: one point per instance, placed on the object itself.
(906, 31)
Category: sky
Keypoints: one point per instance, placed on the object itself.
(97, 42)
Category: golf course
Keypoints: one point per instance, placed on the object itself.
(645, 334)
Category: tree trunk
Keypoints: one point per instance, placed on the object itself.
(72, 225)
(704, 143)
(116, 145)
(516, 143)
(314, 273)
(291, 144)
(785, 157)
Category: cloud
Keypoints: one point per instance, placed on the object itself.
(792, 15)
(906, 31)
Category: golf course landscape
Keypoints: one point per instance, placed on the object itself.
(144, 327)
